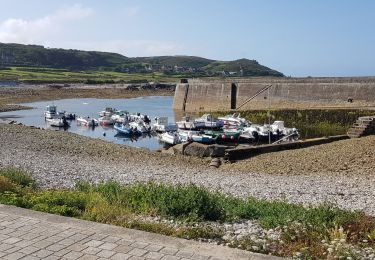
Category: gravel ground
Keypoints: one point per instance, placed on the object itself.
(310, 176)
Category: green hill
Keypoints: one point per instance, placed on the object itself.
(19, 55)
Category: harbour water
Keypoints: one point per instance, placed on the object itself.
(154, 106)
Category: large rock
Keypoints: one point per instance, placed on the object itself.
(197, 149)
(179, 148)
(216, 150)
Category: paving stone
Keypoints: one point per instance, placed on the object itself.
(94, 243)
(43, 244)
(106, 253)
(11, 240)
(88, 257)
(29, 250)
(91, 250)
(154, 248)
(4, 247)
(73, 255)
(123, 249)
(42, 253)
(184, 254)
(120, 256)
(14, 256)
(62, 252)
(153, 255)
(170, 257)
(137, 258)
(200, 257)
(124, 242)
(169, 251)
(56, 247)
(137, 252)
(108, 246)
(139, 244)
(111, 239)
(13, 249)
(77, 247)
(30, 257)
(67, 242)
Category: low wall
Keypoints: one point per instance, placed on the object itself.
(247, 152)
(213, 95)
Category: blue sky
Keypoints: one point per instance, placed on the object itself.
(296, 37)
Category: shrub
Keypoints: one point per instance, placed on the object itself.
(6, 185)
(18, 177)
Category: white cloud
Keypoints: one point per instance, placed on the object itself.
(41, 29)
(131, 12)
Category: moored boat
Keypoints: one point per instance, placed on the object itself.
(171, 138)
(57, 122)
(162, 125)
(87, 121)
(196, 136)
(141, 126)
(234, 120)
(210, 122)
(187, 123)
(106, 120)
(51, 112)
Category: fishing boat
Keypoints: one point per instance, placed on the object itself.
(51, 112)
(120, 116)
(234, 120)
(171, 138)
(278, 128)
(187, 123)
(106, 120)
(108, 111)
(196, 136)
(162, 125)
(57, 122)
(87, 121)
(210, 122)
(126, 129)
(141, 126)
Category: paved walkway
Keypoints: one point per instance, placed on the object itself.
(26, 234)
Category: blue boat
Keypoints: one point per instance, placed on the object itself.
(126, 129)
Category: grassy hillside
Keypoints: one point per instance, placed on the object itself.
(17, 60)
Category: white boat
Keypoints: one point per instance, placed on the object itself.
(186, 123)
(51, 112)
(120, 116)
(234, 120)
(108, 111)
(170, 138)
(126, 129)
(57, 122)
(210, 122)
(87, 121)
(195, 136)
(106, 120)
(278, 128)
(141, 126)
(257, 131)
(162, 125)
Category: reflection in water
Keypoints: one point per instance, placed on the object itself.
(151, 106)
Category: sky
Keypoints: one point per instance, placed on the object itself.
(296, 37)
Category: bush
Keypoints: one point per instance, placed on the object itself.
(6, 185)
(18, 177)
(66, 203)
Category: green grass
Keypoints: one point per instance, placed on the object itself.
(110, 202)
(46, 75)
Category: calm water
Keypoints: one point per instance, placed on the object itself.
(151, 106)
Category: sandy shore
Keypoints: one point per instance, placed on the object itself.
(59, 159)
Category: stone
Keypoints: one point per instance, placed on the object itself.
(197, 149)
(216, 150)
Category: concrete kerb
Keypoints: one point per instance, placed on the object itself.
(136, 235)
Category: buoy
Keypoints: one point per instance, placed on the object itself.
(104, 134)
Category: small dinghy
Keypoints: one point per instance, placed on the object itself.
(87, 121)
(171, 138)
(126, 129)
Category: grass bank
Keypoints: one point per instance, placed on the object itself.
(189, 211)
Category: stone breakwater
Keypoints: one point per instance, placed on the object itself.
(58, 159)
